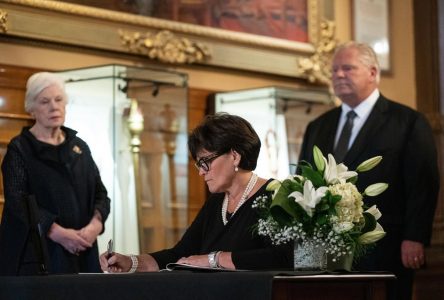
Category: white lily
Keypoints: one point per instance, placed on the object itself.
(310, 198)
(372, 236)
(374, 211)
(334, 173)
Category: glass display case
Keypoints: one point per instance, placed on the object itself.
(144, 169)
(279, 116)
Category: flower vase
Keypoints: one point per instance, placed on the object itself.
(343, 263)
(309, 256)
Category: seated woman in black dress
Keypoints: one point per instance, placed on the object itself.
(225, 148)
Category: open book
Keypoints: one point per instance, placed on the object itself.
(179, 266)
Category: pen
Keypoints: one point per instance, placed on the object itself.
(110, 248)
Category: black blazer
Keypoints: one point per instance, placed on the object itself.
(404, 139)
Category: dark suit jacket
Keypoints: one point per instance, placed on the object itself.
(404, 139)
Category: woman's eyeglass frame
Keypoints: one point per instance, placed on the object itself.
(205, 162)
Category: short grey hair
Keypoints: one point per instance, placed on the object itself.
(37, 83)
(367, 55)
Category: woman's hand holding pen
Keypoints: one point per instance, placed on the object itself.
(115, 262)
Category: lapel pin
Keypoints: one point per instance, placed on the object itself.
(77, 149)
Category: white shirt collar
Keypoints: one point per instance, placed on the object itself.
(362, 111)
(365, 107)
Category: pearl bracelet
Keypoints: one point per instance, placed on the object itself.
(134, 263)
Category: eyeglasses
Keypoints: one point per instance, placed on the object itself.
(204, 162)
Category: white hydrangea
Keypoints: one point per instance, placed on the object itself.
(349, 208)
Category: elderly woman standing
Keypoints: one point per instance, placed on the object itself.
(51, 163)
(225, 148)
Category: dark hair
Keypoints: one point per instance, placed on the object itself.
(223, 132)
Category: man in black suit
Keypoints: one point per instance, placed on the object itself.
(404, 139)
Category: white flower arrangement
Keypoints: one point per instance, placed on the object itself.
(322, 206)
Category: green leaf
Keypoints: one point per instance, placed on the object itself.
(322, 206)
(322, 219)
(353, 179)
(280, 215)
(293, 185)
(332, 199)
(283, 209)
(370, 222)
(303, 164)
(314, 176)
(301, 214)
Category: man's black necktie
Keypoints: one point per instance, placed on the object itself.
(344, 139)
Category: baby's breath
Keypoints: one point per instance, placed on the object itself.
(327, 210)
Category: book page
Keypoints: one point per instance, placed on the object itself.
(181, 266)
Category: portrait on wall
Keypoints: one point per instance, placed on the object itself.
(279, 36)
(283, 19)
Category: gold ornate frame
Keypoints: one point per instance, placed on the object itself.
(165, 41)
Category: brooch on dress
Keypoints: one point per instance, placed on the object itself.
(77, 149)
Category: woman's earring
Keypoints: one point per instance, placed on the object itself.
(236, 169)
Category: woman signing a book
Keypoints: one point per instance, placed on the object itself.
(225, 148)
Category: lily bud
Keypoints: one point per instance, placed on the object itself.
(375, 189)
(371, 237)
(274, 185)
(369, 164)
(318, 159)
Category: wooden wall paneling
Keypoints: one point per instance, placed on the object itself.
(12, 112)
(429, 58)
(197, 190)
(2, 198)
(12, 100)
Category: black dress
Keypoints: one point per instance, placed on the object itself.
(207, 233)
(68, 189)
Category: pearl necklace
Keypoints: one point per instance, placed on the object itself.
(250, 185)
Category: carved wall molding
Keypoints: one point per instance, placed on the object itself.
(165, 46)
(3, 21)
(317, 67)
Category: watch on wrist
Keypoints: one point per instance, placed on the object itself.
(212, 259)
